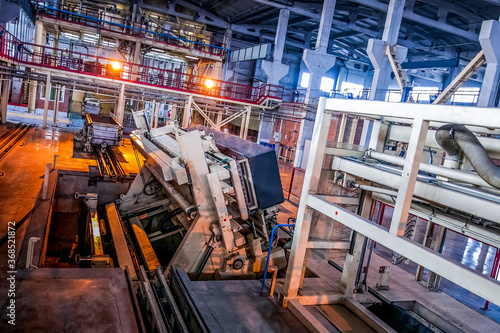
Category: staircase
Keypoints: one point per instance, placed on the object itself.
(404, 85)
(464, 75)
(411, 224)
(390, 52)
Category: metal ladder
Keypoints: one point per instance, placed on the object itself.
(404, 85)
(390, 52)
(464, 75)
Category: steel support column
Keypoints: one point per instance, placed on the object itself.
(377, 50)
(39, 40)
(120, 105)
(186, 116)
(157, 114)
(152, 115)
(5, 83)
(409, 177)
(304, 215)
(137, 60)
(173, 112)
(56, 105)
(275, 70)
(48, 87)
(353, 260)
(247, 121)
(490, 43)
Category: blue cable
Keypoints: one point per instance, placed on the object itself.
(269, 255)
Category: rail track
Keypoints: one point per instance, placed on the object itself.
(10, 139)
(108, 164)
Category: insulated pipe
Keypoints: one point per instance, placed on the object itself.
(455, 138)
(379, 190)
(372, 189)
(464, 176)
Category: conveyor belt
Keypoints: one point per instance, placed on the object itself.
(9, 140)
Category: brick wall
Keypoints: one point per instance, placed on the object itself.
(63, 106)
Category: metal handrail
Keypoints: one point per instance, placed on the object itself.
(44, 56)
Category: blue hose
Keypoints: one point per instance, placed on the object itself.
(269, 254)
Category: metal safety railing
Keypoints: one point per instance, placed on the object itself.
(42, 56)
(467, 97)
(115, 23)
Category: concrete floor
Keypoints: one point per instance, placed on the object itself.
(236, 306)
(457, 247)
(20, 184)
(24, 167)
(72, 300)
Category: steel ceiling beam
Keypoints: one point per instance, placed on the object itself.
(493, 2)
(299, 8)
(451, 7)
(410, 15)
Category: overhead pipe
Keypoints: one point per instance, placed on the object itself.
(369, 188)
(380, 191)
(463, 176)
(459, 224)
(455, 138)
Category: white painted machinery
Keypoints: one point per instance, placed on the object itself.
(218, 194)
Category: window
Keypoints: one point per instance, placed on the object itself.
(326, 84)
(52, 93)
(393, 96)
(467, 96)
(351, 89)
(304, 80)
(424, 94)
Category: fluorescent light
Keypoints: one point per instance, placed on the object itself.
(190, 57)
(109, 44)
(70, 36)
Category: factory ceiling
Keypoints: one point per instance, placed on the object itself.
(431, 29)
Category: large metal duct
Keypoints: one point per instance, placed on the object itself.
(454, 139)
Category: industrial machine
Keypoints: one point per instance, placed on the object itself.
(205, 196)
(91, 105)
(99, 130)
(98, 136)
(91, 229)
